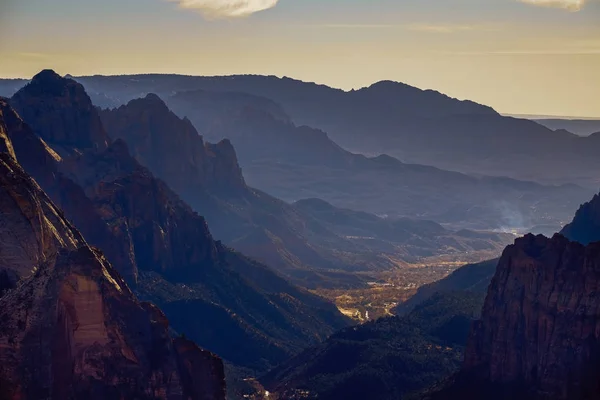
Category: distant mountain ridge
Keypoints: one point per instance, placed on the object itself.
(423, 127)
(581, 127)
(295, 162)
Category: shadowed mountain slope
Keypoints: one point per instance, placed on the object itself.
(295, 240)
(473, 278)
(208, 177)
(387, 359)
(173, 259)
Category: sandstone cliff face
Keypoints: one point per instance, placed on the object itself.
(46, 167)
(172, 148)
(60, 112)
(585, 227)
(31, 229)
(539, 335)
(71, 328)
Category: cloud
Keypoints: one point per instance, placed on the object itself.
(570, 5)
(226, 8)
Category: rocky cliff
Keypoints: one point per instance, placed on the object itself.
(46, 167)
(172, 148)
(170, 255)
(71, 327)
(539, 334)
(50, 104)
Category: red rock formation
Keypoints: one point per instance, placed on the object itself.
(72, 328)
(539, 335)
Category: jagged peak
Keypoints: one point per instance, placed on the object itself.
(585, 226)
(60, 111)
(48, 82)
(46, 75)
(151, 99)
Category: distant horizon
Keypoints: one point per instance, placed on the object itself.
(534, 57)
(532, 116)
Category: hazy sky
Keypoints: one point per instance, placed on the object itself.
(529, 57)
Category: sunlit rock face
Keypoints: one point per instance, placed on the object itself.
(69, 325)
(539, 335)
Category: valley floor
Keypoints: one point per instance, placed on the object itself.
(390, 288)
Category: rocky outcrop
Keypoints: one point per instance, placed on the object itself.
(31, 229)
(585, 227)
(72, 328)
(60, 111)
(46, 167)
(539, 334)
(142, 210)
(172, 148)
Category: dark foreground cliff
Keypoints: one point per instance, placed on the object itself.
(70, 328)
(539, 335)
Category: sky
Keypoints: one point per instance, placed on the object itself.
(536, 57)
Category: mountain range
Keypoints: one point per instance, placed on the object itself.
(267, 119)
(581, 127)
(112, 281)
(160, 246)
(413, 125)
(294, 239)
(296, 162)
